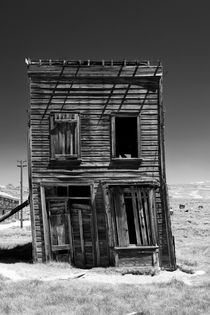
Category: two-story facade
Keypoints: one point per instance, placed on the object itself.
(96, 164)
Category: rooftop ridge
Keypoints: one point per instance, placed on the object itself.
(104, 63)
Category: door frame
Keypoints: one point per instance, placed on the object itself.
(46, 229)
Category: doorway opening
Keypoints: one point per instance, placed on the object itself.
(71, 226)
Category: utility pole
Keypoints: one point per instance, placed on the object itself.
(21, 164)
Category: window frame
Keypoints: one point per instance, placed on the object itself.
(113, 136)
(56, 156)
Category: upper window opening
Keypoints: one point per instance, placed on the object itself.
(125, 137)
(65, 135)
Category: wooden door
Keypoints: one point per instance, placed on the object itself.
(60, 230)
(82, 235)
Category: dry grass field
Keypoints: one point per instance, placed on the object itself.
(37, 293)
(191, 228)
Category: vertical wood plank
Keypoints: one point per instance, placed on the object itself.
(141, 217)
(146, 214)
(135, 214)
(32, 214)
(56, 139)
(77, 137)
(52, 227)
(52, 136)
(70, 235)
(92, 232)
(45, 225)
(81, 235)
(108, 215)
(113, 136)
(113, 218)
(153, 215)
(117, 215)
(68, 142)
(62, 139)
(60, 229)
(95, 225)
(72, 137)
(139, 135)
(123, 219)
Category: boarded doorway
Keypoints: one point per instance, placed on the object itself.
(134, 217)
(71, 225)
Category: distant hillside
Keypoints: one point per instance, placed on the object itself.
(197, 190)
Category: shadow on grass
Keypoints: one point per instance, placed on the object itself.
(19, 253)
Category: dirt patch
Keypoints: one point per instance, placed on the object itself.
(51, 272)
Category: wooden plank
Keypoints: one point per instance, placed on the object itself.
(122, 217)
(45, 225)
(56, 248)
(52, 228)
(141, 218)
(110, 231)
(146, 214)
(117, 216)
(60, 229)
(78, 206)
(81, 235)
(95, 224)
(32, 215)
(155, 201)
(135, 214)
(70, 236)
(152, 217)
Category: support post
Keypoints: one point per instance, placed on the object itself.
(21, 164)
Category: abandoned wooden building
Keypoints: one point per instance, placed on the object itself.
(7, 202)
(98, 193)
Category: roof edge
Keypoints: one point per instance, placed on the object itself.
(59, 62)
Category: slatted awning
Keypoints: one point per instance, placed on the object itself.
(148, 82)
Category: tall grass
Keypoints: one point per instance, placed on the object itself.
(77, 297)
(192, 233)
(14, 236)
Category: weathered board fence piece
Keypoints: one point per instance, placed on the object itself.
(96, 164)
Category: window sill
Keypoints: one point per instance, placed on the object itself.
(132, 163)
(146, 247)
(67, 163)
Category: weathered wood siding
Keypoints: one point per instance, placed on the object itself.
(89, 90)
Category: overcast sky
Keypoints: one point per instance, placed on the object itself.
(177, 32)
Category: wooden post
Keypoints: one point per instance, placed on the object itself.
(163, 185)
(21, 164)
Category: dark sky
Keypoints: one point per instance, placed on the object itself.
(177, 32)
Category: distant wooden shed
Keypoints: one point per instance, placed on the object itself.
(7, 202)
(96, 164)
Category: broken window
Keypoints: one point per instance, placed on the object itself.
(64, 135)
(133, 211)
(125, 137)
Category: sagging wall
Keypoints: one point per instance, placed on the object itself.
(96, 93)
